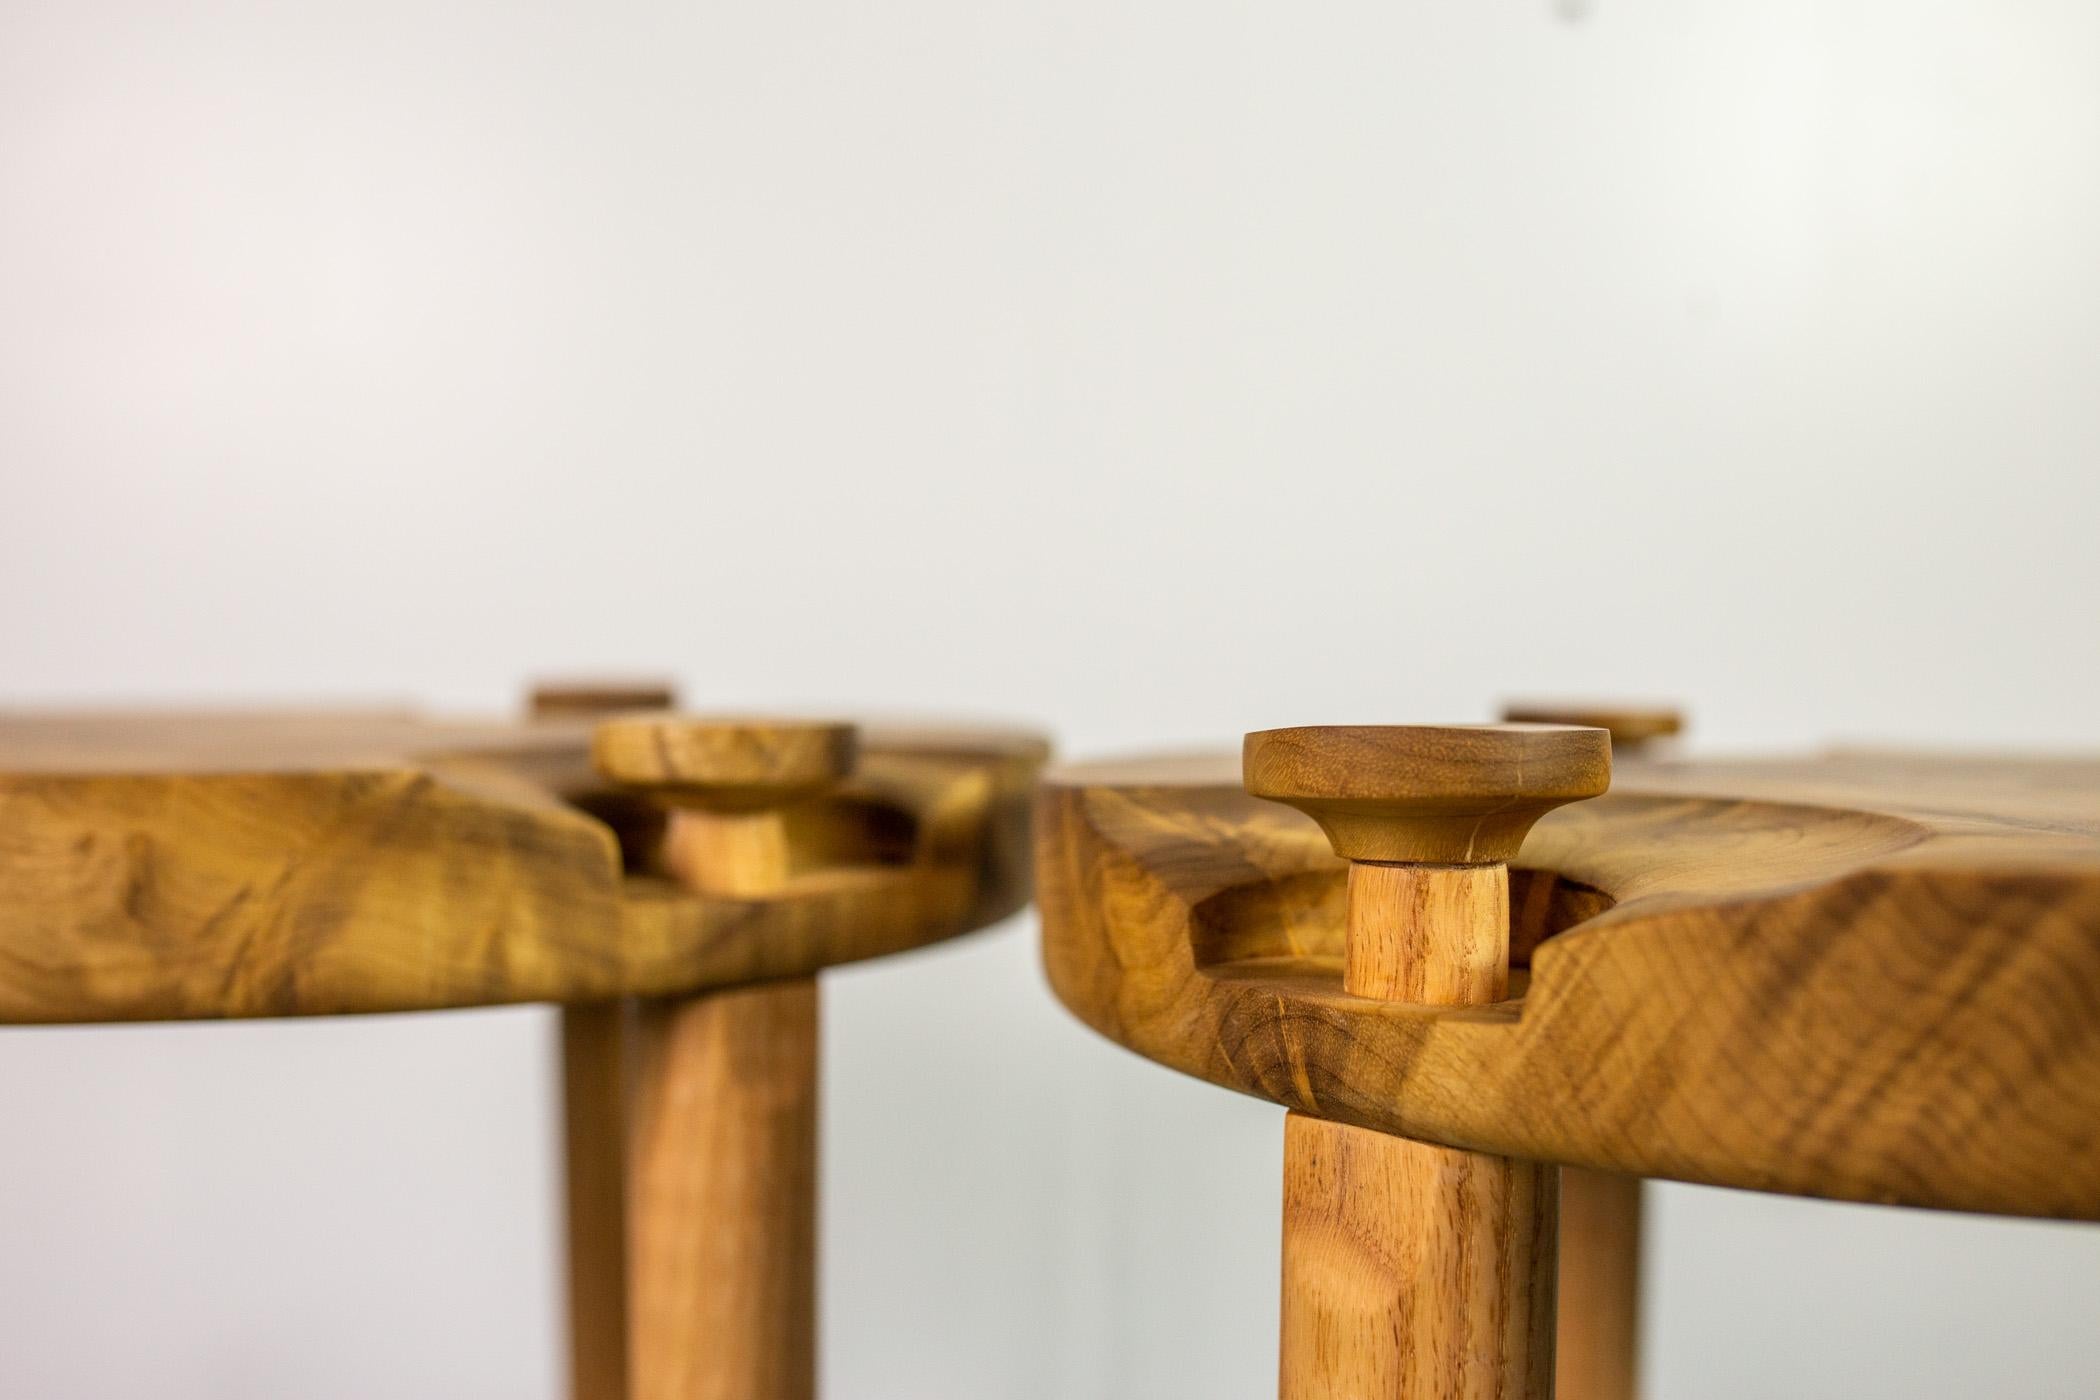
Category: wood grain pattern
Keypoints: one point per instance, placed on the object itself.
(595, 1043)
(724, 765)
(174, 867)
(1411, 1270)
(722, 1223)
(1434, 935)
(598, 1042)
(1598, 1350)
(1449, 794)
(1601, 1216)
(723, 1197)
(1863, 976)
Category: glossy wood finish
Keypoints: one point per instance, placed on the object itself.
(1439, 794)
(266, 865)
(1410, 1268)
(722, 1200)
(176, 867)
(1860, 976)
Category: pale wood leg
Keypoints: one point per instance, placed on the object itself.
(595, 1066)
(722, 1197)
(1600, 1285)
(1413, 1271)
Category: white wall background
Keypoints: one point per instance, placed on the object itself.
(1117, 365)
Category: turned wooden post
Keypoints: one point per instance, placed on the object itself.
(721, 1176)
(596, 1048)
(1413, 1271)
(1601, 1214)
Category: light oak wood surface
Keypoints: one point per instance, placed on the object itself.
(1866, 976)
(245, 864)
(1411, 1270)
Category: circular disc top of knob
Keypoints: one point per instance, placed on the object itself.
(571, 699)
(1427, 794)
(724, 764)
(1629, 724)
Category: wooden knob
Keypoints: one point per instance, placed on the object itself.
(1427, 794)
(1630, 726)
(724, 765)
(727, 781)
(1428, 817)
(576, 699)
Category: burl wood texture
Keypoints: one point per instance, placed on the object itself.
(1413, 1271)
(723, 1197)
(250, 865)
(1867, 976)
(1598, 1353)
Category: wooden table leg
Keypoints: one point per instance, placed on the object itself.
(1600, 1285)
(1411, 1270)
(595, 1065)
(721, 1088)
(722, 1197)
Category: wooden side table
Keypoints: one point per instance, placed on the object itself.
(674, 883)
(1863, 976)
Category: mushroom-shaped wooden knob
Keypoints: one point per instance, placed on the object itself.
(1631, 726)
(726, 782)
(1428, 817)
(580, 699)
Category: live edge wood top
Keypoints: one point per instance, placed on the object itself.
(1864, 976)
(187, 866)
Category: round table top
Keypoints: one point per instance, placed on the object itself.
(1870, 976)
(168, 866)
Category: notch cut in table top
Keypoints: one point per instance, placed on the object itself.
(171, 866)
(1870, 976)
